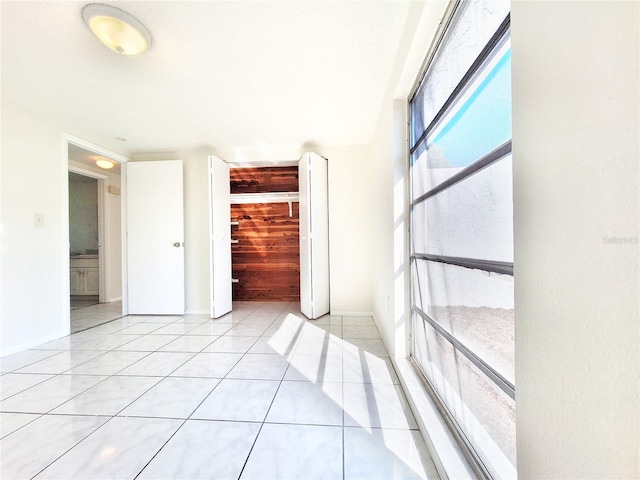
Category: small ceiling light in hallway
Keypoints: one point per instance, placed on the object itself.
(103, 163)
(117, 29)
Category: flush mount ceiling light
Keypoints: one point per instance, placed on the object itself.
(117, 29)
(106, 164)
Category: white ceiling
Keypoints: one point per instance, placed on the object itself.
(219, 75)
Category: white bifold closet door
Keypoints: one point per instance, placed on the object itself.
(314, 235)
(155, 237)
(219, 237)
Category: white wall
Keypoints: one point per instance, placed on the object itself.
(389, 230)
(113, 239)
(34, 261)
(575, 149)
(351, 212)
(34, 304)
(388, 170)
(349, 232)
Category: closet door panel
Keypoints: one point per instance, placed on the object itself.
(314, 236)
(306, 298)
(220, 238)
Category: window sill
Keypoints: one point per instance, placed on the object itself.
(447, 456)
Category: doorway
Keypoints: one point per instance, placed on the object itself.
(84, 240)
(265, 239)
(311, 263)
(95, 243)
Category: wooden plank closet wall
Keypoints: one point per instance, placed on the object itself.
(266, 257)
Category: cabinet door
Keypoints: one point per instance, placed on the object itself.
(91, 281)
(75, 281)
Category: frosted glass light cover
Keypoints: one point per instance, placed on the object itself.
(106, 164)
(116, 29)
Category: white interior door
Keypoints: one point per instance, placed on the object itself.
(155, 237)
(314, 235)
(220, 237)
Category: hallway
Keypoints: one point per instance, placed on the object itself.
(260, 393)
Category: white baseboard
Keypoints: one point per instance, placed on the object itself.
(115, 299)
(34, 343)
(197, 312)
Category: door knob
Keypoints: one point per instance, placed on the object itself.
(176, 244)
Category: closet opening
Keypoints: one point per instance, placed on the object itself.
(265, 234)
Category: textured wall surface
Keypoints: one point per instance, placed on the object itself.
(576, 149)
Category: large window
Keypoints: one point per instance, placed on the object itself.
(462, 232)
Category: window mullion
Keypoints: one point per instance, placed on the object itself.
(468, 76)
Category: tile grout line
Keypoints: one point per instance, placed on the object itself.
(160, 449)
(115, 374)
(73, 446)
(275, 317)
(32, 363)
(263, 422)
(255, 440)
(64, 373)
(111, 417)
(38, 415)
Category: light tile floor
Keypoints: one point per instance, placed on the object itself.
(93, 315)
(84, 301)
(261, 393)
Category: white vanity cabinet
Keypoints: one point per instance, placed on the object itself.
(84, 275)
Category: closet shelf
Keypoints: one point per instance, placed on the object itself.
(270, 197)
